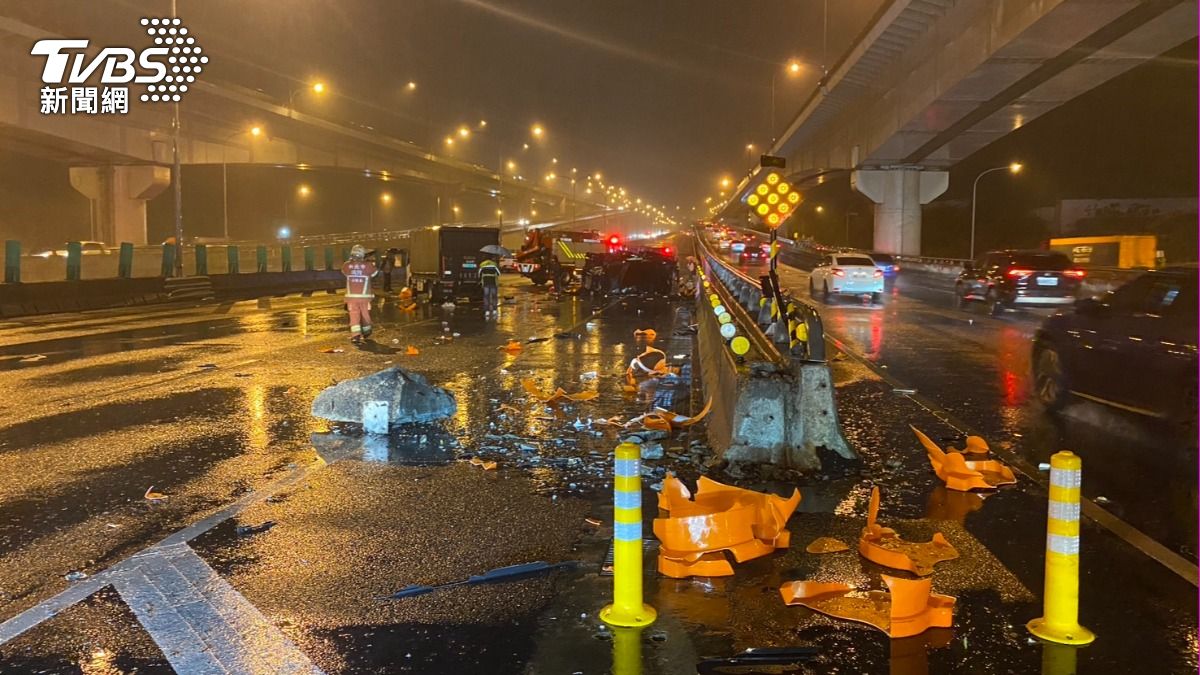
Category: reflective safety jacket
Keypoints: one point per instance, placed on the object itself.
(358, 278)
(489, 273)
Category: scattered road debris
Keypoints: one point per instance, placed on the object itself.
(959, 473)
(531, 387)
(412, 351)
(76, 576)
(881, 545)
(909, 609)
(153, 496)
(32, 358)
(248, 530)
(661, 419)
(760, 660)
(484, 464)
(500, 575)
(721, 517)
(512, 347)
(332, 350)
(827, 545)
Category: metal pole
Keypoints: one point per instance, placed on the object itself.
(176, 175)
(974, 191)
(225, 198)
(772, 129)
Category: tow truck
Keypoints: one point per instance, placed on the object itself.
(559, 255)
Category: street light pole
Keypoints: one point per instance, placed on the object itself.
(1013, 168)
(792, 67)
(176, 170)
(225, 197)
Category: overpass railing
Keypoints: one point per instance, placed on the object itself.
(794, 330)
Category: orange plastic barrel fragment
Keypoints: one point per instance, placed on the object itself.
(559, 394)
(962, 474)
(881, 545)
(719, 518)
(707, 565)
(909, 609)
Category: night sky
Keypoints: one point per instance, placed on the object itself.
(660, 96)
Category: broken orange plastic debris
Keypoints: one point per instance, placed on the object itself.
(630, 386)
(486, 465)
(649, 333)
(661, 419)
(512, 347)
(773, 510)
(412, 351)
(707, 565)
(959, 473)
(720, 517)
(881, 545)
(910, 608)
(826, 545)
(559, 394)
(153, 496)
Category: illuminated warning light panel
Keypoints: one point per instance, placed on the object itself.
(772, 199)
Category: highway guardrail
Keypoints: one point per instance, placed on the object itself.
(795, 329)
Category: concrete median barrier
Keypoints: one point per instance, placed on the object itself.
(74, 296)
(767, 408)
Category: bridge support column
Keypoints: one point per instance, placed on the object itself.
(119, 195)
(898, 195)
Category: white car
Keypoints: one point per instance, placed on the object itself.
(846, 274)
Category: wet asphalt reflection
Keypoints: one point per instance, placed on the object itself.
(978, 369)
(224, 410)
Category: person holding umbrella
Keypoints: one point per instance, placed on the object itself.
(489, 278)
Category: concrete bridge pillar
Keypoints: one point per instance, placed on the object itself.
(898, 194)
(119, 195)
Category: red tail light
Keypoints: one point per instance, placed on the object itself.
(1018, 272)
(1078, 274)
(667, 250)
(837, 272)
(614, 240)
(895, 268)
(878, 273)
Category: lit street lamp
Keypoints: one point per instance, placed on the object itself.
(317, 88)
(255, 132)
(303, 191)
(1013, 168)
(793, 68)
(385, 199)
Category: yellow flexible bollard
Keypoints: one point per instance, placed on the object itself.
(627, 651)
(627, 608)
(1061, 620)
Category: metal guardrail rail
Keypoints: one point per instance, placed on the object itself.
(763, 347)
(754, 296)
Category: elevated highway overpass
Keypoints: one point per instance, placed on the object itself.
(929, 82)
(120, 161)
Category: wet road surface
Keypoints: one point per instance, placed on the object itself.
(210, 405)
(977, 369)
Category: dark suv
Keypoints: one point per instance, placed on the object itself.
(1006, 279)
(1133, 348)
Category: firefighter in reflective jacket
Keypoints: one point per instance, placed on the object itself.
(359, 273)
